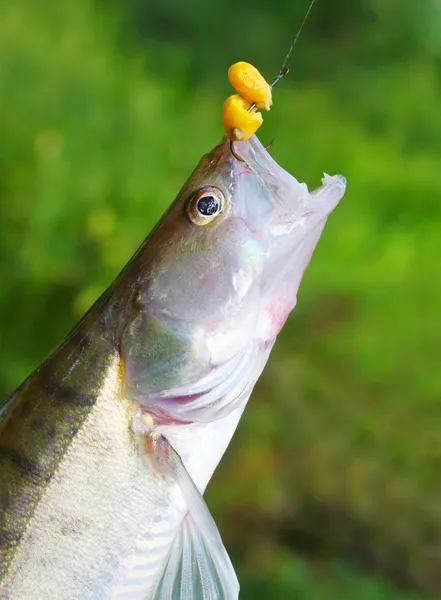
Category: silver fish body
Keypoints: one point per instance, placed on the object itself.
(106, 450)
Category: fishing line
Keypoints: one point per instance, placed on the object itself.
(284, 70)
(287, 57)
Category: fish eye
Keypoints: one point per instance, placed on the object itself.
(205, 205)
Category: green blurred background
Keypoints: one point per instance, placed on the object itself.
(331, 489)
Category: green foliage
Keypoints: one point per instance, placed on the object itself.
(88, 145)
(293, 578)
(104, 116)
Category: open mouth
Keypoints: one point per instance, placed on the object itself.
(272, 199)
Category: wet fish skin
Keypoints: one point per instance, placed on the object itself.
(173, 348)
(38, 422)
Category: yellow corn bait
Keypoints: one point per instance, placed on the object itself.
(240, 123)
(250, 84)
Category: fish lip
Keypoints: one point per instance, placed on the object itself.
(257, 160)
(325, 198)
(288, 201)
(318, 205)
(283, 191)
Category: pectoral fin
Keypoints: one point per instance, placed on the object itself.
(198, 566)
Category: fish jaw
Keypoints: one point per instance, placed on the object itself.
(288, 220)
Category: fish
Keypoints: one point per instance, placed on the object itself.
(107, 448)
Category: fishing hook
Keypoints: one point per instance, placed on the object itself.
(233, 152)
(280, 75)
(270, 143)
(239, 158)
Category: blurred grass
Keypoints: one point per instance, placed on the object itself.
(105, 110)
(293, 578)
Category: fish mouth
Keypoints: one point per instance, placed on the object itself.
(270, 197)
(281, 211)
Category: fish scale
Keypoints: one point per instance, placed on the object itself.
(81, 505)
(42, 417)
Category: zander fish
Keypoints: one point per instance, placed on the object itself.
(106, 449)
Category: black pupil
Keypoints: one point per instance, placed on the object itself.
(208, 206)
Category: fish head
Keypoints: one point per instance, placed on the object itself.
(219, 276)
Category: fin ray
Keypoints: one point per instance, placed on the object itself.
(198, 566)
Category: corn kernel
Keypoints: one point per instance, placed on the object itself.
(239, 124)
(250, 84)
